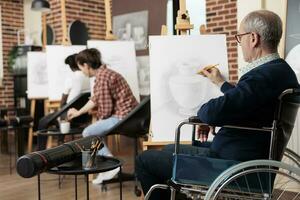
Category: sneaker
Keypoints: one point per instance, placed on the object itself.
(99, 179)
(106, 176)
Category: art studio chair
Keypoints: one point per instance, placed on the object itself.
(18, 123)
(134, 125)
(200, 177)
(50, 121)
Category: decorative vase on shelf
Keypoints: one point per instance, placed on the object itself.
(188, 89)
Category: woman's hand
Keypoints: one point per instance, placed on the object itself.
(72, 113)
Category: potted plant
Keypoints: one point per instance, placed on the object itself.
(12, 55)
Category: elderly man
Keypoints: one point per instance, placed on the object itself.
(252, 100)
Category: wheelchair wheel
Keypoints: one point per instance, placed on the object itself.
(291, 158)
(257, 179)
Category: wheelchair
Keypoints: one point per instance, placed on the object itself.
(277, 177)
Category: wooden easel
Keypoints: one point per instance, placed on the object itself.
(110, 37)
(32, 113)
(182, 27)
(65, 38)
(33, 100)
(108, 34)
(49, 106)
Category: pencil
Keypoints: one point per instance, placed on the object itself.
(208, 67)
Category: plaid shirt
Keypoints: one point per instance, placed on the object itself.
(112, 94)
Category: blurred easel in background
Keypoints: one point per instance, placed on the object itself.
(49, 105)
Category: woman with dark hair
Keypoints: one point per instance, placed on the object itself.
(75, 84)
(112, 97)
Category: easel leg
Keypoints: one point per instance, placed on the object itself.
(49, 142)
(30, 134)
(39, 187)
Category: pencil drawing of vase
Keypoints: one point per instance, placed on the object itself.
(188, 89)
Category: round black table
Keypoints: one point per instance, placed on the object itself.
(102, 164)
(57, 133)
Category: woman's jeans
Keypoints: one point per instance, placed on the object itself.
(100, 128)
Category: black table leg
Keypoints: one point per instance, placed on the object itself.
(87, 186)
(120, 180)
(10, 159)
(19, 132)
(76, 187)
(39, 187)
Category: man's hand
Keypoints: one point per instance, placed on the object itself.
(214, 75)
(72, 113)
(203, 131)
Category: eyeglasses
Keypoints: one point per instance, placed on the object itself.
(238, 37)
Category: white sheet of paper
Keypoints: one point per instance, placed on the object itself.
(37, 76)
(57, 69)
(120, 57)
(177, 92)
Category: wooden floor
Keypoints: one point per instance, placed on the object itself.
(14, 187)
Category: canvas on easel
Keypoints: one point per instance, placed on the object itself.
(119, 56)
(57, 70)
(177, 91)
(37, 77)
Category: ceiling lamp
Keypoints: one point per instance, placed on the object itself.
(40, 5)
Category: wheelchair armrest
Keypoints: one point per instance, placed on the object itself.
(194, 119)
(253, 128)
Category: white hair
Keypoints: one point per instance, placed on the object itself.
(267, 25)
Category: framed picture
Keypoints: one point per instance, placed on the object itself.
(132, 27)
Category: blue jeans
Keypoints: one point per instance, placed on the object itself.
(99, 128)
(155, 167)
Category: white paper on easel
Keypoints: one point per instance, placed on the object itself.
(57, 69)
(120, 57)
(37, 77)
(177, 92)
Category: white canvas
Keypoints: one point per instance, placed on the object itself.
(177, 92)
(37, 76)
(57, 69)
(120, 57)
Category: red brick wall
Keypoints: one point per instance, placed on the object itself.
(221, 17)
(90, 12)
(12, 20)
